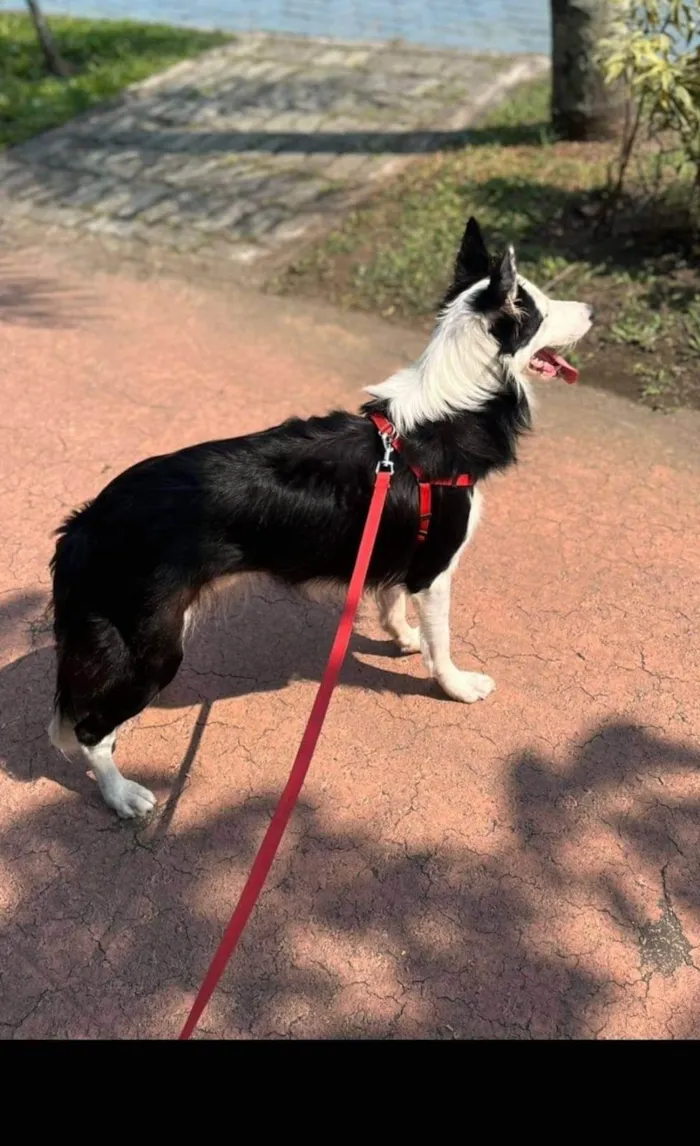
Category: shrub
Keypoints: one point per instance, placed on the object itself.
(653, 50)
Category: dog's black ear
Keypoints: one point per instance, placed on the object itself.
(473, 259)
(503, 283)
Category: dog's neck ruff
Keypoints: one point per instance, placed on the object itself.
(425, 497)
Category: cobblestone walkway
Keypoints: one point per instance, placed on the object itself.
(252, 146)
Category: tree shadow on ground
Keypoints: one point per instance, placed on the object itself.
(255, 646)
(39, 301)
(354, 937)
(360, 933)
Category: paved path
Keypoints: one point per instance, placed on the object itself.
(250, 147)
(525, 867)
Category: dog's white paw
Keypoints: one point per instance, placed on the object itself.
(409, 640)
(129, 799)
(467, 686)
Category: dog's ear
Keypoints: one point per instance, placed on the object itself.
(473, 259)
(503, 283)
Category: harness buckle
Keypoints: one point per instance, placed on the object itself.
(386, 465)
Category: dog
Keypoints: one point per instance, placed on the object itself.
(291, 502)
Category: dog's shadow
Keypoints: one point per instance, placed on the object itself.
(259, 646)
(271, 638)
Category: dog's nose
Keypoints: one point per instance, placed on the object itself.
(591, 314)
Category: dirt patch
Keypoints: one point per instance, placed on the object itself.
(662, 944)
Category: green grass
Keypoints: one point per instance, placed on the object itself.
(106, 55)
(394, 255)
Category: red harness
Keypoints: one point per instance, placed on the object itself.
(425, 497)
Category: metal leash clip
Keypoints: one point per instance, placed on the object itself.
(386, 465)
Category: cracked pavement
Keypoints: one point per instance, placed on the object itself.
(526, 867)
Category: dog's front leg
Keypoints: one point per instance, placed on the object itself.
(433, 606)
(126, 797)
(392, 613)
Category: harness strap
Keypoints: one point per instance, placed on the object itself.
(425, 496)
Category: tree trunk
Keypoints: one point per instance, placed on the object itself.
(54, 61)
(582, 106)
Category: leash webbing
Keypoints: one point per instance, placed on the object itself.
(273, 836)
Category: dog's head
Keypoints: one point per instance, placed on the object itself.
(496, 332)
(528, 329)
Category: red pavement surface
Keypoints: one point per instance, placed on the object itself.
(524, 867)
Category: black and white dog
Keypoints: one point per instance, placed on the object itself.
(291, 502)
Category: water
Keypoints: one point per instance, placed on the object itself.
(491, 25)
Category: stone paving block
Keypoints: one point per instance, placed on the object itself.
(90, 160)
(290, 229)
(87, 192)
(124, 163)
(303, 192)
(139, 199)
(104, 225)
(15, 179)
(252, 143)
(258, 224)
(222, 216)
(160, 211)
(180, 170)
(345, 167)
(243, 184)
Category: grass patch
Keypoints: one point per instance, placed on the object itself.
(393, 256)
(107, 56)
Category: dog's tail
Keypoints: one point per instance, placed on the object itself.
(68, 568)
(91, 655)
(69, 565)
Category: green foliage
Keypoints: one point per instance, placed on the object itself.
(107, 56)
(653, 49)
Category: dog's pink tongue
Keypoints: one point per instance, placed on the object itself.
(563, 368)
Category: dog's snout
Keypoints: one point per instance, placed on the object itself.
(591, 313)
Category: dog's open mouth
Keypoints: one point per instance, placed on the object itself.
(548, 364)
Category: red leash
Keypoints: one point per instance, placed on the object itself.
(278, 824)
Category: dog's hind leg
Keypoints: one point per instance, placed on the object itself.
(392, 614)
(103, 682)
(433, 606)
